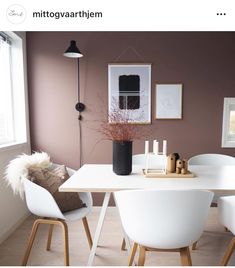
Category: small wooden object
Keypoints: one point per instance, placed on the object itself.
(185, 163)
(179, 163)
(181, 166)
(178, 170)
(171, 161)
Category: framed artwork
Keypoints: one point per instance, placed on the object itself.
(168, 101)
(129, 89)
(228, 130)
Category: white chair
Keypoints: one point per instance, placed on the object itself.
(168, 220)
(41, 203)
(226, 215)
(153, 162)
(211, 160)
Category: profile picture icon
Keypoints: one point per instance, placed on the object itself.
(16, 14)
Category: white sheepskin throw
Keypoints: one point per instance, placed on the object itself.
(17, 169)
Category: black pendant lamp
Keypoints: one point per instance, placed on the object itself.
(73, 51)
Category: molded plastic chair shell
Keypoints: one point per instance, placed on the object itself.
(212, 159)
(226, 212)
(163, 219)
(41, 203)
(226, 216)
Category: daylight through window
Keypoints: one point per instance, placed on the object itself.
(13, 120)
(6, 99)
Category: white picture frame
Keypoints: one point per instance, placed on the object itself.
(228, 135)
(129, 92)
(168, 100)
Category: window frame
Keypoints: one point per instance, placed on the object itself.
(228, 140)
(9, 127)
(19, 91)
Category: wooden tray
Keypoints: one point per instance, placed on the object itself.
(152, 173)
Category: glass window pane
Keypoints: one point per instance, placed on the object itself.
(232, 123)
(6, 112)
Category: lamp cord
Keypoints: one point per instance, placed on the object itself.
(80, 143)
(78, 82)
(79, 121)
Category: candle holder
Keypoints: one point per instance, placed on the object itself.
(156, 163)
(156, 147)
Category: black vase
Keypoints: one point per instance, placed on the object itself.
(122, 157)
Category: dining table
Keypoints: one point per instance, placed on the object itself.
(97, 178)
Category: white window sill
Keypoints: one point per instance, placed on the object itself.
(229, 145)
(12, 146)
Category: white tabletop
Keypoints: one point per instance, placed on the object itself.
(100, 178)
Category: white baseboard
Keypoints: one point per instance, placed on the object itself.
(14, 227)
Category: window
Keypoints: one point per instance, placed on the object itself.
(228, 135)
(6, 109)
(12, 90)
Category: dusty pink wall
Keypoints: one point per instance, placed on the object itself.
(203, 62)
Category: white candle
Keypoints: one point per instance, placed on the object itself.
(146, 164)
(164, 149)
(155, 147)
(146, 147)
(154, 141)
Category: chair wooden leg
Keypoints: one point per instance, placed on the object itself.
(33, 233)
(132, 255)
(49, 236)
(66, 242)
(185, 257)
(123, 246)
(194, 246)
(228, 253)
(64, 226)
(87, 230)
(30, 242)
(141, 259)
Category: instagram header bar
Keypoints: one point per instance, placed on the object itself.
(121, 15)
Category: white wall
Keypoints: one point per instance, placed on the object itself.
(13, 210)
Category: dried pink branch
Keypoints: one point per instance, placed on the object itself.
(121, 128)
(118, 125)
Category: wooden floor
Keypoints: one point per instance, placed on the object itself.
(211, 246)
